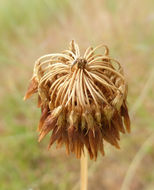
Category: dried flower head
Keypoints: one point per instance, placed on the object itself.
(82, 99)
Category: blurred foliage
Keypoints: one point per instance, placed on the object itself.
(27, 16)
(31, 28)
(20, 20)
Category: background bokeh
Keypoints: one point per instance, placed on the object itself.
(32, 28)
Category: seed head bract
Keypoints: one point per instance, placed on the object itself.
(82, 99)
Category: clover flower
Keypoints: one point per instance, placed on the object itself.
(82, 99)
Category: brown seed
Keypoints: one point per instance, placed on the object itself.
(82, 99)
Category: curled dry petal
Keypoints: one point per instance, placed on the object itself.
(82, 99)
(32, 88)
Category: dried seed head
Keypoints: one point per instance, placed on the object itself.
(82, 99)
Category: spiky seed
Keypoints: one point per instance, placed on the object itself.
(82, 99)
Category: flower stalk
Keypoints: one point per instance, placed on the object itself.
(84, 171)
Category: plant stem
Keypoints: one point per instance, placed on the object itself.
(84, 171)
(136, 161)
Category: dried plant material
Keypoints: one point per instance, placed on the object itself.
(82, 99)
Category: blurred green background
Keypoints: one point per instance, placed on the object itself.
(32, 28)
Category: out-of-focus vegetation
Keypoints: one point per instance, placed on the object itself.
(31, 28)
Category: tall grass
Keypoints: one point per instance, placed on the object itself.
(22, 19)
